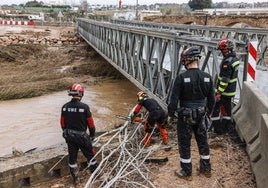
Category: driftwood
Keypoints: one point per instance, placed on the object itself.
(124, 164)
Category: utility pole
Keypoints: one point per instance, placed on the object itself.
(84, 7)
(137, 9)
(120, 5)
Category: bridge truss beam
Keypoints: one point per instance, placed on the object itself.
(241, 36)
(148, 57)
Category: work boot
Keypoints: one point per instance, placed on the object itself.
(206, 173)
(93, 166)
(204, 168)
(74, 174)
(183, 175)
(164, 135)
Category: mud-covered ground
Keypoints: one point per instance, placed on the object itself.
(32, 70)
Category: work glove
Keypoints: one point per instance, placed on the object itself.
(218, 97)
(65, 133)
(170, 119)
(137, 119)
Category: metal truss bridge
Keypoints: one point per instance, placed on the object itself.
(148, 54)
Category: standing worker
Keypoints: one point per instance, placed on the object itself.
(194, 92)
(75, 119)
(156, 116)
(225, 89)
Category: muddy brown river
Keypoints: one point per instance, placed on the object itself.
(35, 123)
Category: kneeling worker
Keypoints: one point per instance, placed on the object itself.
(156, 116)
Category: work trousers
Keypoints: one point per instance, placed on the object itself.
(76, 141)
(184, 132)
(221, 116)
(155, 117)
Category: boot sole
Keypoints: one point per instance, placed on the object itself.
(188, 178)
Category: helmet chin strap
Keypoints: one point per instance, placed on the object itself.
(186, 66)
(78, 97)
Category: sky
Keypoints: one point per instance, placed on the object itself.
(126, 2)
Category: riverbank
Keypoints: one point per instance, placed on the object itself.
(30, 70)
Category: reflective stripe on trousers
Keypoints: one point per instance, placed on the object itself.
(185, 160)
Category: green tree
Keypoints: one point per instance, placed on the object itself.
(34, 4)
(200, 4)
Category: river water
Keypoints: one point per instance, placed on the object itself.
(35, 123)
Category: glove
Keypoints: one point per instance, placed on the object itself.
(65, 133)
(218, 97)
(170, 119)
(137, 119)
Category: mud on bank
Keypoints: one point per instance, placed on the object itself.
(30, 70)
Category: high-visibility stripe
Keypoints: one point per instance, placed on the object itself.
(228, 94)
(205, 157)
(221, 89)
(73, 165)
(223, 83)
(235, 63)
(233, 80)
(215, 118)
(185, 160)
(226, 117)
(230, 81)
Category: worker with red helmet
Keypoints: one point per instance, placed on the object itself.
(156, 116)
(225, 89)
(193, 92)
(75, 119)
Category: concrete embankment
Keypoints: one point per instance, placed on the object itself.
(36, 167)
(251, 117)
(33, 168)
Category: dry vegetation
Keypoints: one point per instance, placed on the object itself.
(230, 166)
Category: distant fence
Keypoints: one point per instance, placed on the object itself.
(11, 22)
(251, 117)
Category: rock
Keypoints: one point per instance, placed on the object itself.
(17, 152)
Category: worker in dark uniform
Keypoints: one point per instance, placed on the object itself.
(225, 89)
(156, 116)
(75, 119)
(193, 90)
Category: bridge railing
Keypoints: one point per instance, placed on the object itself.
(149, 57)
(241, 36)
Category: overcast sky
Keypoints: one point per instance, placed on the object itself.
(126, 2)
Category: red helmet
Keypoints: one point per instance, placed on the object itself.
(225, 45)
(141, 95)
(76, 90)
